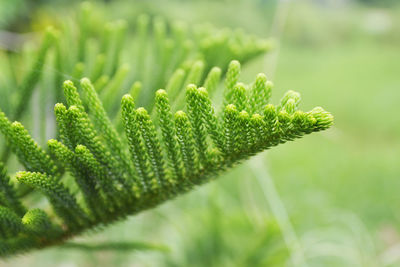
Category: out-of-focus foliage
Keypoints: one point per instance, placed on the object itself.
(9, 10)
(379, 3)
(341, 191)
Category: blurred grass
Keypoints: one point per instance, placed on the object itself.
(340, 187)
(354, 163)
(353, 167)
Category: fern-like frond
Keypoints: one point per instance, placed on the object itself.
(156, 159)
(110, 158)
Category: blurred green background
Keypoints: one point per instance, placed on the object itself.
(329, 199)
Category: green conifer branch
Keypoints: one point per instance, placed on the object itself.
(37, 223)
(186, 144)
(30, 80)
(63, 202)
(29, 153)
(168, 133)
(212, 80)
(33, 76)
(196, 121)
(162, 152)
(168, 156)
(8, 193)
(10, 223)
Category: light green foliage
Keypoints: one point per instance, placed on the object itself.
(36, 222)
(113, 57)
(186, 143)
(239, 96)
(29, 153)
(102, 121)
(196, 121)
(229, 45)
(72, 96)
(100, 189)
(63, 123)
(182, 151)
(168, 132)
(162, 152)
(212, 79)
(231, 127)
(206, 110)
(261, 93)
(8, 195)
(232, 77)
(33, 76)
(175, 82)
(136, 146)
(152, 144)
(195, 73)
(63, 202)
(10, 223)
(79, 165)
(114, 85)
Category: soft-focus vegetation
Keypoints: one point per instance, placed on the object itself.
(339, 188)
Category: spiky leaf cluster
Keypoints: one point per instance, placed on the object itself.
(109, 158)
(115, 55)
(159, 155)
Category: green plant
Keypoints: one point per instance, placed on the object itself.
(93, 176)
